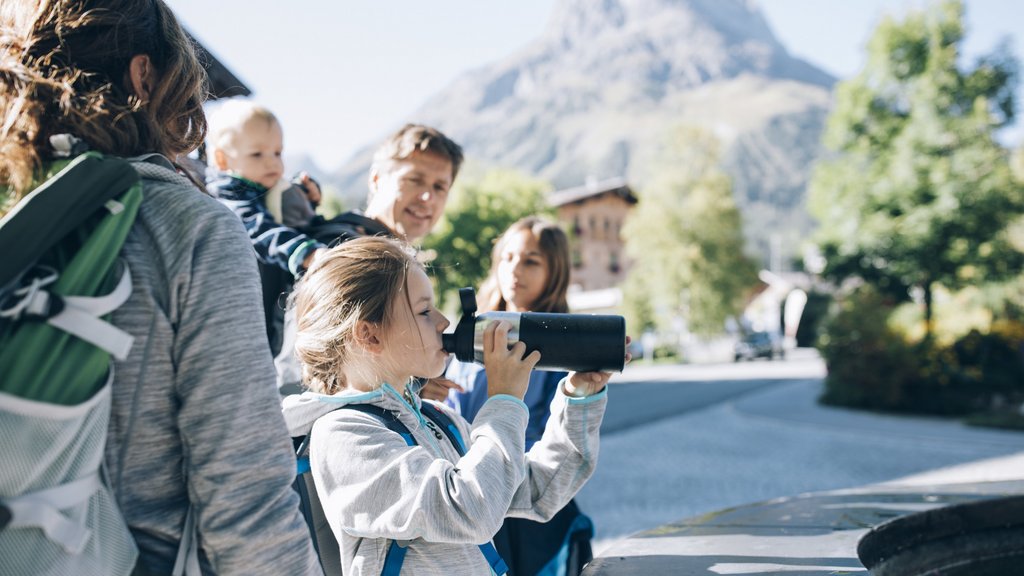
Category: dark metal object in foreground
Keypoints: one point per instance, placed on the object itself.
(815, 534)
(984, 538)
(223, 82)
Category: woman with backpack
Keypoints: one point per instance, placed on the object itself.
(197, 450)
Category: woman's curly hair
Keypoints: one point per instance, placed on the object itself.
(64, 68)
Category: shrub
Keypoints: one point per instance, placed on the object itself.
(872, 365)
(666, 352)
(993, 364)
(868, 363)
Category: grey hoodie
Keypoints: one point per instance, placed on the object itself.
(196, 416)
(375, 488)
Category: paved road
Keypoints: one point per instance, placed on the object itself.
(645, 394)
(686, 440)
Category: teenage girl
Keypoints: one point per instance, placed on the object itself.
(367, 325)
(529, 273)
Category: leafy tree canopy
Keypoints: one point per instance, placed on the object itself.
(685, 237)
(478, 211)
(917, 190)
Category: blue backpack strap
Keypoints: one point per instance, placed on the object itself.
(494, 559)
(394, 559)
(302, 454)
(387, 418)
(450, 430)
(395, 556)
(446, 425)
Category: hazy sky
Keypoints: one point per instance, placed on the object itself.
(343, 74)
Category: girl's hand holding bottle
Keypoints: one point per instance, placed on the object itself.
(508, 372)
(583, 384)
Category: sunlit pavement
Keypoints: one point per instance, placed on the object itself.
(793, 471)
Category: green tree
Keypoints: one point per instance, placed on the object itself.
(1006, 299)
(637, 306)
(918, 193)
(331, 203)
(478, 211)
(686, 241)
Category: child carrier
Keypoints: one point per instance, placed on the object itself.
(60, 278)
(277, 284)
(323, 538)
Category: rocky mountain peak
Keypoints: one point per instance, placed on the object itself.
(575, 22)
(687, 42)
(597, 94)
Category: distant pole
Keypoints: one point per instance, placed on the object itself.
(775, 252)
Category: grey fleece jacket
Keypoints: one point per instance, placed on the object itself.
(375, 488)
(196, 414)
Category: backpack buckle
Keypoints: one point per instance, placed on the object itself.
(30, 300)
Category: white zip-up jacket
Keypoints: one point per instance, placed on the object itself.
(375, 488)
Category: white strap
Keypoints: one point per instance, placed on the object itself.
(81, 314)
(30, 298)
(81, 317)
(187, 561)
(102, 305)
(42, 509)
(273, 200)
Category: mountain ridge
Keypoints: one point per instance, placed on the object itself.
(592, 97)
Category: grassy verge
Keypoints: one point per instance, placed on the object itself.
(1006, 421)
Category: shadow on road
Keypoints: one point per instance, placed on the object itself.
(639, 403)
(721, 564)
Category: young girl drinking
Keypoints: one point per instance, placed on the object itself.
(367, 325)
(529, 273)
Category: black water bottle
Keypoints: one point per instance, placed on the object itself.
(580, 342)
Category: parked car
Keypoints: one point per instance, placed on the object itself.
(758, 345)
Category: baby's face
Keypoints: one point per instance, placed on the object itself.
(255, 153)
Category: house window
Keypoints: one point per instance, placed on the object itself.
(613, 263)
(577, 257)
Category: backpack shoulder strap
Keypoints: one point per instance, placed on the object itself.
(59, 205)
(274, 200)
(395, 557)
(446, 425)
(386, 417)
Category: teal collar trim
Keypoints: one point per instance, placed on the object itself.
(348, 399)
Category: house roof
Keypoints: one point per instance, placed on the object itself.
(592, 189)
(223, 83)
